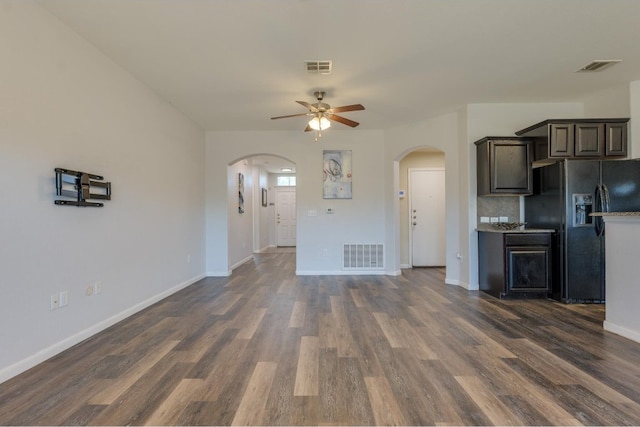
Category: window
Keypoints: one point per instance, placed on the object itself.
(286, 181)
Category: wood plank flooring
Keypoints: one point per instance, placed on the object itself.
(264, 347)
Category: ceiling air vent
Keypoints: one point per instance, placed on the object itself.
(598, 65)
(318, 67)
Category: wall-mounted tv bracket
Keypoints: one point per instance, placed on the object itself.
(79, 185)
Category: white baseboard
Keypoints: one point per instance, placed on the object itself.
(239, 263)
(47, 353)
(341, 273)
(406, 266)
(219, 273)
(621, 330)
(460, 283)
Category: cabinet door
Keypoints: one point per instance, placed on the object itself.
(589, 140)
(527, 268)
(615, 140)
(561, 140)
(511, 167)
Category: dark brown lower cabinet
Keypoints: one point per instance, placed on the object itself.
(516, 265)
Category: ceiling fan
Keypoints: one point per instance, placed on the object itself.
(322, 114)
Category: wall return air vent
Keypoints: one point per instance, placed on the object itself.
(598, 65)
(363, 256)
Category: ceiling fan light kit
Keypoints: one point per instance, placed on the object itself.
(319, 122)
(322, 114)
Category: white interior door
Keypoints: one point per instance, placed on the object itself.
(286, 217)
(427, 217)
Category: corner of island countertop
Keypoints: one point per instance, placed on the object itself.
(490, 229)
(633, 213)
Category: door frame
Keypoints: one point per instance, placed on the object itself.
(409, 189)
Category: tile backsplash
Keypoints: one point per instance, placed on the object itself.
(496, 206)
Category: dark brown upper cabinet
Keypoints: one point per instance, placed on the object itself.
(615, 139)
(504, 166)
(578, 138)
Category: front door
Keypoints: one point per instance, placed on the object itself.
(286, 217)
(427, 217)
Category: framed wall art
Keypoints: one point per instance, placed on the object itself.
(336, 174)
(240, 193)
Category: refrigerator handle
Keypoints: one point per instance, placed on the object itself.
(601, 205)
(605, 192)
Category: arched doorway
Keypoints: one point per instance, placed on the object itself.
(254, 182)
(422, 208)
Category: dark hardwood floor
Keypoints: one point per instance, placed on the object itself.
(264, 347)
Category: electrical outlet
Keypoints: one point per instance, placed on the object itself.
(504, 219)
(64, 298)
(55, 301)
(494, 219)
(189, 259)
(97, 288)
(484, 219)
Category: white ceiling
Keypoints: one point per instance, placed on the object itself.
(233, 64)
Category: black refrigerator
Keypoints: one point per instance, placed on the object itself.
(564, 195)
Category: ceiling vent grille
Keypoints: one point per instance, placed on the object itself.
(318, 67)
(598, 65)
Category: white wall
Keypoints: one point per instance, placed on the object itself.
(261, 214)
(319, 238)
(240, 225)
(63, 104)
(612, 102)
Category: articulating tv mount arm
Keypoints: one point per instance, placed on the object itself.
(82, 183)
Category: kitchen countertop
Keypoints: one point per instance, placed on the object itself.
(615, 214)
(517, 230)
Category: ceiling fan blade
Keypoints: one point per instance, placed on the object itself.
(354, 107)
(308, 129)
(309, 106)
(342, 120)
(291, 115)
